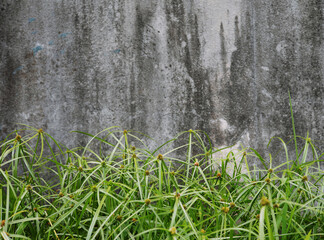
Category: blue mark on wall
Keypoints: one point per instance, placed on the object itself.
(51, 42)
(37, 49)
(117, 51)
(64, 35)
(17, 69)
(34, 32)
(30, 20)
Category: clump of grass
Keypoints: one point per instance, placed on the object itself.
(109, 189)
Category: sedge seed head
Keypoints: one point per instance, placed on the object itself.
(125, 132)
(35, 209)
(184, 206)
(264, 201)
(304, 178)
(219, 175)
(134, 156)
(257, 216)
(190, 130)
(202, 231)
(71, 196)
(244, 153)
(29, 187)
(18, 138)
(197, 164)
(308, 140)
(147, 201)
(172, 173)
(267, 180)
(276, 205)
(177, 195)
(270, 170)
(40, 131)
(119, 217)
(147, 172)
(173, 231)
(134, 220)
(103, 163)
(225, 210)
(61, 194)
(80, 169)
(122, 166)
(3, 222)
(133, 148)
(160, 157)
(232, 205)
(94, 188)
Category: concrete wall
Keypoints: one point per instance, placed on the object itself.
(163, 66)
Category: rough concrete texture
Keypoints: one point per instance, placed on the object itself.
(164, 66)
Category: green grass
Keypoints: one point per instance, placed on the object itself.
(109, 189)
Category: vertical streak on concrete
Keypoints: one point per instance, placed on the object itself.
(254, 84)
(223, 48)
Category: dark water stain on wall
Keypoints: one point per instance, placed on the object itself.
(198, 102)
(238, 91)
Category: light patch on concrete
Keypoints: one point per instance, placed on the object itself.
(234, 154)
(226, 11)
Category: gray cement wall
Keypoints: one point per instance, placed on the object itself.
(163, 66)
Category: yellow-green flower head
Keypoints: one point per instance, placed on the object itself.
(264, 201)
(94, 188)
(173, 231)
(18, 138)
(225, 209)
(276, 205)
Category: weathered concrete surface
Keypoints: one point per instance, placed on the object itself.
(224, 66)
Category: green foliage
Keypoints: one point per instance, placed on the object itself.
(109, 189)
